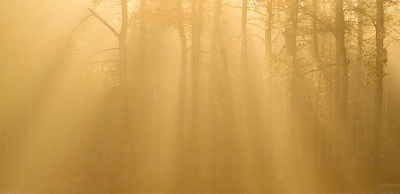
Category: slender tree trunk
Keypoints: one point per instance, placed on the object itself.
(332, 115)
(269, 163)
(196, 37)
(4, 120)
(194, 52)
(319, 78)
(124, 84)
(183, 109)
(335, 108)
(292, 124)
(315, 31)
(193, 111)
(385, 132)
(122, 60)
(360, 33)
(199, 26)
(212, 87)
(141, 67)
(340, 33)
(142, 40)
(243, 62)
(243, 129)
(3, 144)
(4, 109)
(244, 33)
(380, 60)
(227, 117)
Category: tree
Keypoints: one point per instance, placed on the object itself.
(212, 96)
(243, 60)
(340, 38)
(360, 34)
(290, 33)
(317, 61)
(123, 92)
(184, 103)
(141, 73)
(380, 60)
(196, 14)
(269, 83)
(121, 35)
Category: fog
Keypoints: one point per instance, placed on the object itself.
(199, 96)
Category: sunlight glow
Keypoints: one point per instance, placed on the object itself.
(197, 96)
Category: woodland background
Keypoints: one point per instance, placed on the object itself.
(199, 96)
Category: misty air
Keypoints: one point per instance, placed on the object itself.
(199, 96)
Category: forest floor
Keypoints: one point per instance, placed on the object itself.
(389, 188)
(384, 188)
(97, 186)
(60, 186)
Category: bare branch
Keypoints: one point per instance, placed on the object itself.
(98, 52)
(255, 25)
(94, 62)
(81, 22)
(276, 38)
(104, 62)
(332, 64)
(104, 22)
(257, 36)
(329, 28)
(231, 6)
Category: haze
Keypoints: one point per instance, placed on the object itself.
(199, 96)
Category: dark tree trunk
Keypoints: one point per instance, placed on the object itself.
(340, 33)
(380, 60)
(319, 78)
(358, 78)
(269, 158)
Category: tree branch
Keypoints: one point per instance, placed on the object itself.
(104, 22)
(327, 26)
(332, 64)
(80, 22)
(99, 52)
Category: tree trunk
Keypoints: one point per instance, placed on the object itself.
(340, 33)
(2, 144)
(315, 31)
(141, 67)
(292, 124)
(122, 71)
(380, 60)
(243, 62)
(360, 32)
(227, 117)
(243, 129)
(319, 78)
(269, 159)
(212, 89)
(123, 85)
(195, 57)
(183, 106)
